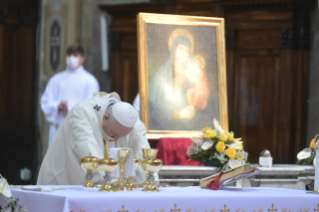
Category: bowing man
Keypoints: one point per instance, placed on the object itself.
(103, 117)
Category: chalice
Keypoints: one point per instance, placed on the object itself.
(107, 166)
(148, 153)
(122, 156)
(129, 184)
(89, 164)
(151, 165)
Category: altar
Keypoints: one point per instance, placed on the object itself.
(181, 199)
(279, 175)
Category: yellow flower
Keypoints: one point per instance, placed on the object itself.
(230, 137)
(231, 153)
(312, 143)
(220, 147)
(205, 129)
(223, 137)
(210, 134)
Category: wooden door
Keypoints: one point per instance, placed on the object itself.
(18, 91)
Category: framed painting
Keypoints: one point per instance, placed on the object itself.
(182, 74)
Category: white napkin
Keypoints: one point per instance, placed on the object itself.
(129, 170)
(41, 188)
(5, 188)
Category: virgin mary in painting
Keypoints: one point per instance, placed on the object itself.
(178, 91)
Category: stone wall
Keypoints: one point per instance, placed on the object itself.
(313, 99)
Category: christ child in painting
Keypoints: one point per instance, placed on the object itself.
(197, 96)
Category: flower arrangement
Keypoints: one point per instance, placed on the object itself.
(8, 202)
(307, 155)
(218, 148)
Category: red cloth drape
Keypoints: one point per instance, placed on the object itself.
(172, 151)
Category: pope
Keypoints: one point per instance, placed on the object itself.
(103, 117)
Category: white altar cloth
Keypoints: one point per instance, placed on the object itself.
(181, 199)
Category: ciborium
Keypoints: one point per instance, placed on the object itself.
(129, 184)
(152, 165)
(89, 164)
(122, 156)
(107, 166)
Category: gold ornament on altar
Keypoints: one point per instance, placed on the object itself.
(107, 166)
(152, 165)
(89, 164)
(122, 156)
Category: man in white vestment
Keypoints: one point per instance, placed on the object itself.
(103, 117)
(136, 103)
(66, 89)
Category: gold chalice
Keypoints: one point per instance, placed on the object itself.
(129, 184)
(148, 154)
(122, 156)
(151, 165)
(89, 164)
(107, 166)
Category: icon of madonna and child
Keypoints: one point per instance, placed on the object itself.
(181, 96)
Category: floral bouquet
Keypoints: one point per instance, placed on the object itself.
(218, 148)
(307, 155)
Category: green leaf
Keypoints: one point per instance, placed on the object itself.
(211, 157)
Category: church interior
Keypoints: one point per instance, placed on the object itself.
(271, 75)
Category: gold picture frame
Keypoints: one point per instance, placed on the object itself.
(182, 74)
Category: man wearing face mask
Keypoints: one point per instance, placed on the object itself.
(67, 88)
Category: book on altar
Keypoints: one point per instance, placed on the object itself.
(224, 178)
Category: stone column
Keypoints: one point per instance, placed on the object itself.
(60, 27)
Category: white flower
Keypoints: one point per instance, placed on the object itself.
(238, 145)
(303, 155)
(197, 141)
(234, 163)
(221, 157)
(217, 126)
(243, 153)
(207, 144)
(189, 150)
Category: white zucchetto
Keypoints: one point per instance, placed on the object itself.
(125, 114)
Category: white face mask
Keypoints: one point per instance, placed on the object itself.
(72, 62)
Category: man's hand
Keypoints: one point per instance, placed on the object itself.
(63, 106)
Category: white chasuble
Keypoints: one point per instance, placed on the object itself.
(70, 86)
(80, 134)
